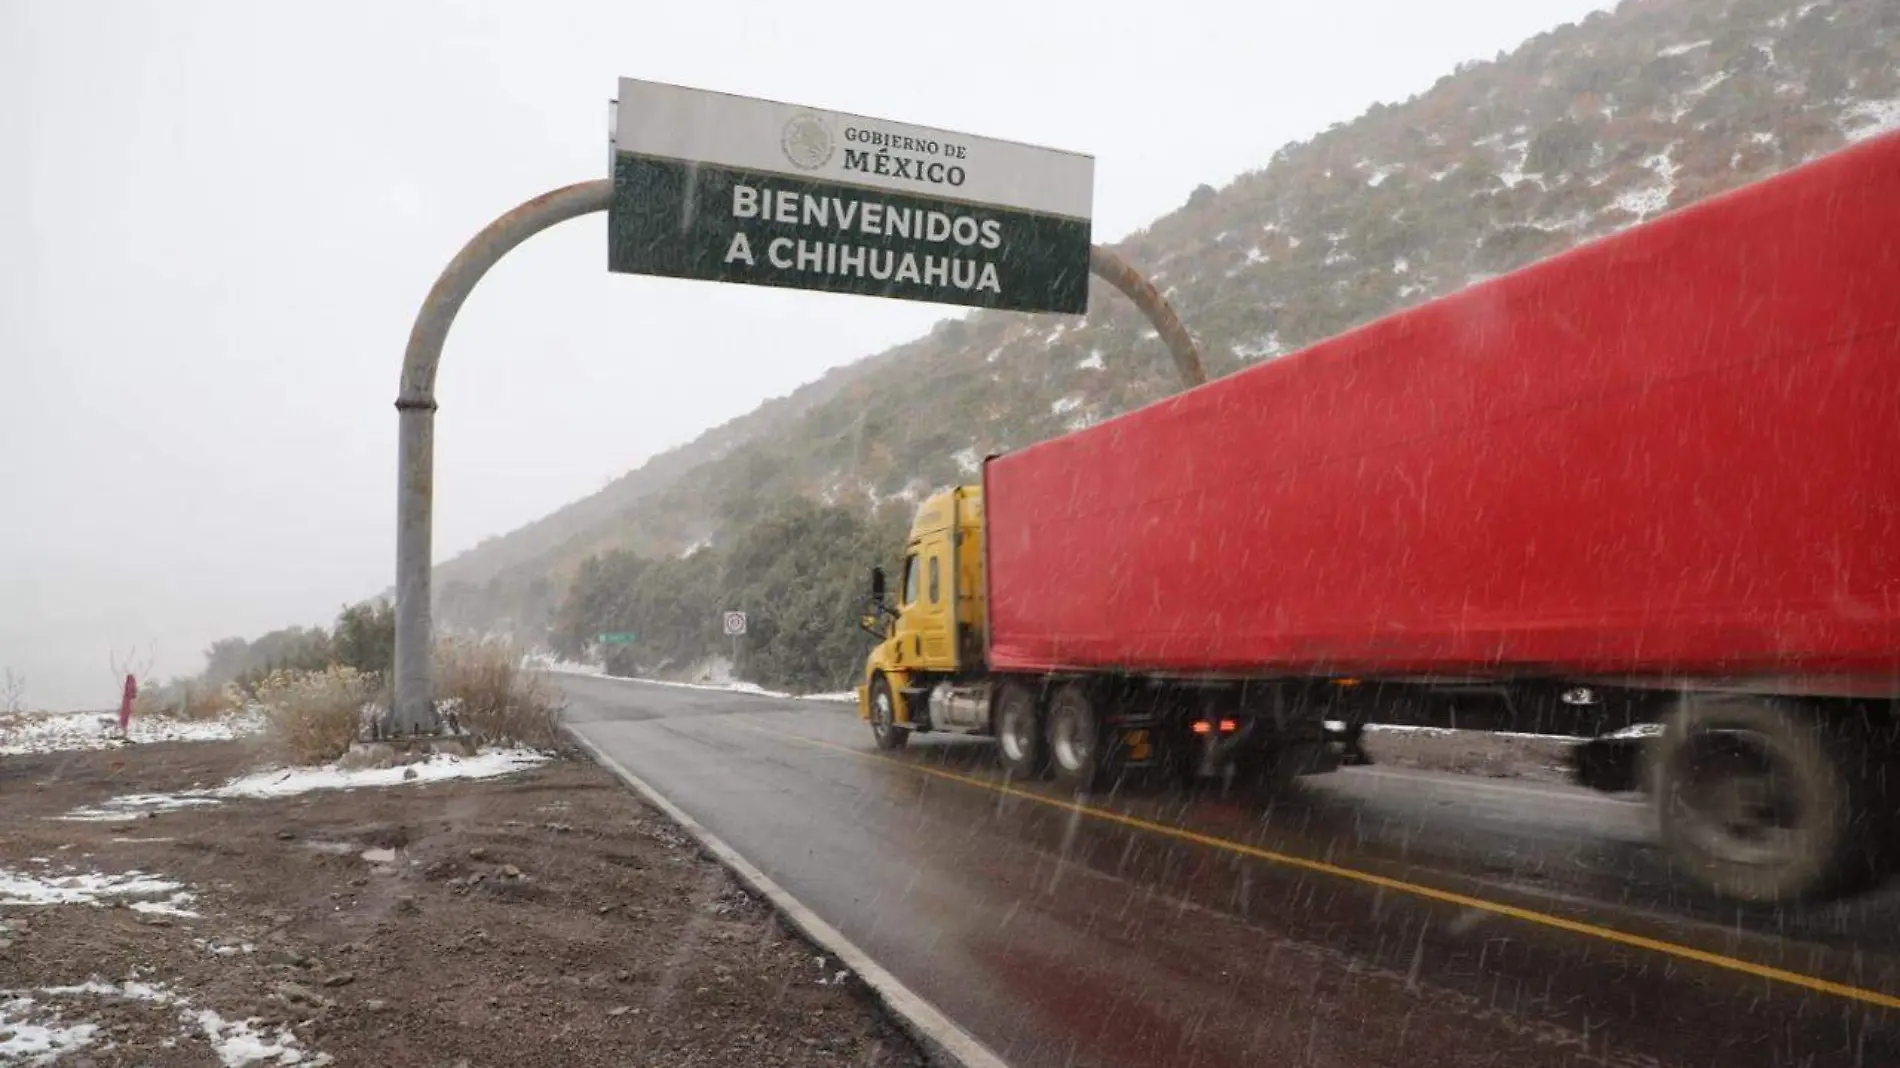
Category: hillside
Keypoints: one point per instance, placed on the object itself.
(1579, 132)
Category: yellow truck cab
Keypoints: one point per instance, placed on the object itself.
(933, 637)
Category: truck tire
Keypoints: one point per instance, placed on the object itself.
(884, 717)
(1076, 752)
(1765, 801)
(1019, 732)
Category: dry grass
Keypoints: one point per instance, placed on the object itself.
(484, 684)
(188, 702)
(311, 717)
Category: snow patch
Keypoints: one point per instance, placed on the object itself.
(73, 887)
(548, 662)
(1401, 265)
(712, 687)
(288, 782)
(1376, 174)
(841, 697)
(1513, 173)
(242, 1042)
(1065, 405)
(1686, 102)
(438, 768)
(1645, 201)
(59, 732)
(36, 1035)
(1870, 118)
(41, 1036)
(695, 548)
(967, 460)
(1265, 346)
(1091, 362)
(1682, 49)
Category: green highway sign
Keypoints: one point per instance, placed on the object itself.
(617, 638)
(734, 189)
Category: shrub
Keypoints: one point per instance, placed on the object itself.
(487, 686)
(311, 717)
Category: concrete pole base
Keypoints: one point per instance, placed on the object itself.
(396, 753)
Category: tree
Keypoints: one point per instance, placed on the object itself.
(225, 661)
(365, 637)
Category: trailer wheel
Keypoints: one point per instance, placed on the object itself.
(1019, 731)
(1764, 801)
(884, 717)
(1075, 740)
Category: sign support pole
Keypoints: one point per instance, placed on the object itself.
(414, 709)
(413, 712)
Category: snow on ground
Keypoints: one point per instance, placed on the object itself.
(51, 732)
(1265, 346)
(1682, 49)
(145, 892)
(716, 687)
(286, 782)
(1377, 175)
(1091, 362)
(547, 662)
(34, 1034)
(40, 1024)
(1870, 118)
(1653, 199)
(753, 689)
(967, 460)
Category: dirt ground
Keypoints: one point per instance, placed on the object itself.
(544, 918)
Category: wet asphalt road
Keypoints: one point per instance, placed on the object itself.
(1372, 917)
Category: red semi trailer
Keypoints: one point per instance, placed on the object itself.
(1654, 478)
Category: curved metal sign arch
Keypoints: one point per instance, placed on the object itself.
(413, 711)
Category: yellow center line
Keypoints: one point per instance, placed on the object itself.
(1430, 893)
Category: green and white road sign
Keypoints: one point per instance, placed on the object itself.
(735, 189)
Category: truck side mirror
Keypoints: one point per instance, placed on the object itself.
(877, 585)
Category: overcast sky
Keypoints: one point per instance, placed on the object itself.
(217, 221)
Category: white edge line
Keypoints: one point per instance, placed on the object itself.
(941, 1038)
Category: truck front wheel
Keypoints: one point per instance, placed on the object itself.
(1075, 740)
(884, 717)
(1764, 801)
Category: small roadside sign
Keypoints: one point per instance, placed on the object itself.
(727, 188)
(615, 637)
(735, 624)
